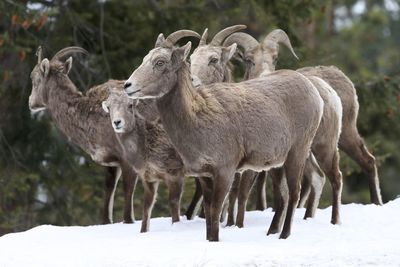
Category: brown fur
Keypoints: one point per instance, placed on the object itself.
(149, 151)
(210, 64)
(225, 127)
(350, 140)
(329, 131)
(85, 124)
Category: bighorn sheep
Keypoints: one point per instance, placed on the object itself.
(83, 121)
(226, 127)
(324, 144)
(262, 57)
(216, 58)
(148, 150)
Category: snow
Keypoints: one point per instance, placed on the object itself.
(368, 236)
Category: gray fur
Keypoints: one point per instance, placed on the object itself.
(225, 127)
(148, 150)
(85, 124)
(328, 131)
(350, 140)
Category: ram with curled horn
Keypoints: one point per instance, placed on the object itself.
(214, 55)
(314, 177)
(82, 120)
(209, 125)
(260, 59)
(216, 58)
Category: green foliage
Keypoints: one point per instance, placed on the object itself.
(44, 179)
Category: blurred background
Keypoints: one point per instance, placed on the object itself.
(46, 180)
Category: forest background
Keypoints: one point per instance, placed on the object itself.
(46, 180)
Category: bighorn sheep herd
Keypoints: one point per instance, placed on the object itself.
(174, 118)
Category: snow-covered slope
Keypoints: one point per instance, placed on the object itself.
(369, 236)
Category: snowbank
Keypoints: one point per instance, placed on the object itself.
(369, 235)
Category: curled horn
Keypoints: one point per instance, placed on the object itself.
(203, 40)
(39, 54)
(68, 50)
(176, 36)
(220, 36)
(242, 39)
(279, 36)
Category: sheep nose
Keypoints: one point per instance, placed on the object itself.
(196, 81)
(127, 84)
(117, 123)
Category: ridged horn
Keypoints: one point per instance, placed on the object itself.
(221, 35)
(279, 36)
(242, 39)
(39, 54)
(69, 50)
(203, 40)
(176, 36)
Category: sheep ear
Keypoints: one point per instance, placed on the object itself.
(160, 40)
(187, 48)
(228, 52)
(45, 67)
(104, 106)
(67, 65)
(181, 53)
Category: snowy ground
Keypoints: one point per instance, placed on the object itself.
(369, 236)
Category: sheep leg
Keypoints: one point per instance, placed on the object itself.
(149, 198)
(197, 198)
(207, 187)
(294, 171)
(175, 193)
(202, 213)
(280, 200)
(233, 194)
(305, 188)
(224, 211)
(330, 165)
(261, 181)
(246, 183)
(129, 179)
(316, 179)
(112, 175)
(221, 186)
(353, 145)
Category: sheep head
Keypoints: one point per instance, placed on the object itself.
(260, 58)
(209, 62)
(121, 110)
(43, 70)
(158, 71)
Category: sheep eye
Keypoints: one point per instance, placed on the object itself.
(160, 63)
(213, 60)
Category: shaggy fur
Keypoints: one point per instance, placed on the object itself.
(85, 124)
(223, 128)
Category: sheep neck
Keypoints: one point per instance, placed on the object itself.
(72, 112)
(135, 143)
(179, 109)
